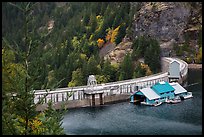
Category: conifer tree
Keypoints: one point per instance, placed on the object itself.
(20, 116)
(126, 68)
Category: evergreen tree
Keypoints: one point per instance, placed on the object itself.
(109, 71)
(152, 56)
(93, 22)
(20, 115)
(92, 66)
(86, 18)
(77, 78)
(139, 71)
(126, 68)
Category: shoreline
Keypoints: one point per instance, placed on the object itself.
(195, 66)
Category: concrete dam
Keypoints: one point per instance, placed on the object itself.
(93, 94)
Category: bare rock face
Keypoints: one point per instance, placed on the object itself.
(162, 20)
(118, 53)
(168, 22)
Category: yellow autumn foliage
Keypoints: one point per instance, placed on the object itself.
(11, 71)
(108, 35)
(146, 68)
(98, 17)
(114, 34)
(111, 35)
(148, 72)
(35, 124)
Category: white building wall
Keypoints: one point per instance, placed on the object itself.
(174, 69)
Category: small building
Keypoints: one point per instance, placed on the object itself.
(179, 90)
(156, 93)
(164, 90)
(160, 92)
(174, 71)
(145, 95)
(91, 81)
(93, 93)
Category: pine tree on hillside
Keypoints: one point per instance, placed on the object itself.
(126, 68)
(20, 116)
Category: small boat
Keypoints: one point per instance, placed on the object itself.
(173, 101)
(167, 101)
(144, 103)
(189, 95)
(157, 104)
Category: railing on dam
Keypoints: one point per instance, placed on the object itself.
(119, 87)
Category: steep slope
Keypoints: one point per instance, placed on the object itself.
(171, 23)
(176, 25)
(167, 20)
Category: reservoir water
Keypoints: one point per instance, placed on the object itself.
(124, 118)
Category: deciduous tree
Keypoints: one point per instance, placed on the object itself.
(77, 79)
(100, 43)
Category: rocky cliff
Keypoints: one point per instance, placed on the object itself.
(166, 20)
(171, 23)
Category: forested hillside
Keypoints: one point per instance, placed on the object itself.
(67, 38)
(46, 45)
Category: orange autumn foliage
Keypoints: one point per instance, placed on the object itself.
(100, 42)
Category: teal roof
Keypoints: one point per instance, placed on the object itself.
(162, 87)
(139, 93)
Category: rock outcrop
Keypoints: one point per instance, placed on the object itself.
(163, 21)
(171, 23)
(168, 22)
(118, 53)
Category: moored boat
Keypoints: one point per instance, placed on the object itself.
(188, 95)
(174, 101)
(167, 100)
(144, 103)
(157, 104)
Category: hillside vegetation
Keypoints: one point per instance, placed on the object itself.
(47, 45)
(74, 40)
